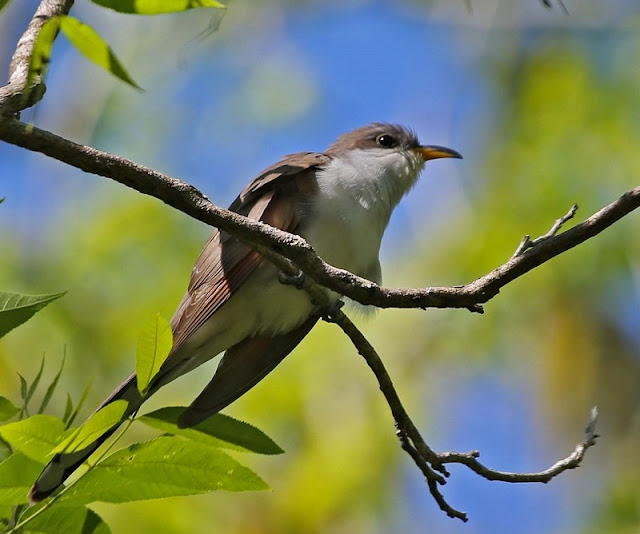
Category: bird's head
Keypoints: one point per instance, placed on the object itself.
(388, 154)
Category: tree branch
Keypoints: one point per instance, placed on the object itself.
(572, 461)
(189, 200)
(527, 243)
(432, 464)
(16, 96)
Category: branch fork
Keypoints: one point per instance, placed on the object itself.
(527, 243)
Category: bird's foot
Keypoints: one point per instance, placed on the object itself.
(296, 280)
(330, 311)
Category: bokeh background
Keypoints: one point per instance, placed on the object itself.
(545, 108)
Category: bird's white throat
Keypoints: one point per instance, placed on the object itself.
(357, 192)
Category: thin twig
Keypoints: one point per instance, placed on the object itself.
(432, 478)
(572, 461)
(527, 243)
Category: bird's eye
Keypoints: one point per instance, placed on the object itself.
(386, 140)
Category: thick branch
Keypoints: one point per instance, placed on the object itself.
(13, 97)
(189, 200)
(176, 193)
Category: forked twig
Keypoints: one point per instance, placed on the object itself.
(528, 243)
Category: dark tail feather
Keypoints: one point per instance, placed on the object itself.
(241, 368)
(62, 465)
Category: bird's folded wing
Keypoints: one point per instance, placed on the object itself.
(294, 167)
(241, 368)
(225, 264)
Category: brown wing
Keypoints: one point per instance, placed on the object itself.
(225, 264)
(293, 165)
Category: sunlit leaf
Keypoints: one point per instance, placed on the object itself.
(35, 437)
(7, 409)
(92, 46)
(219, 430)
(154, 7)
(15, 308)
(66, 520)
(17, 475)
(154, 344)
(164, 467)
(99, 423)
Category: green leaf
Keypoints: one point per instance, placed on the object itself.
(7, 409)
(94, 48)
(68, 409)
(65, 520)
(219, 430)
(52, 387)
(154, 345)
(154, 7)
(5, 450)
(42, 52)
(17, 475)
(33, 386)
(164, 467)
(3, 3)
(35, 437)
(23, 388)
(15, 308)
(99, 423)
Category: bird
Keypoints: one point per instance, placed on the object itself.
(340, 201)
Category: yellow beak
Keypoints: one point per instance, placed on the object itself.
(435, 152)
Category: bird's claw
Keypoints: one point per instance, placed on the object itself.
(296, 280)
(331, 310)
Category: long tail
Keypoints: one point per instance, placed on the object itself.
(62, 465)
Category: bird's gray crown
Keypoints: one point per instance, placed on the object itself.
(375, 135)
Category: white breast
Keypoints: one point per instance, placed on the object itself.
(357, 193)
